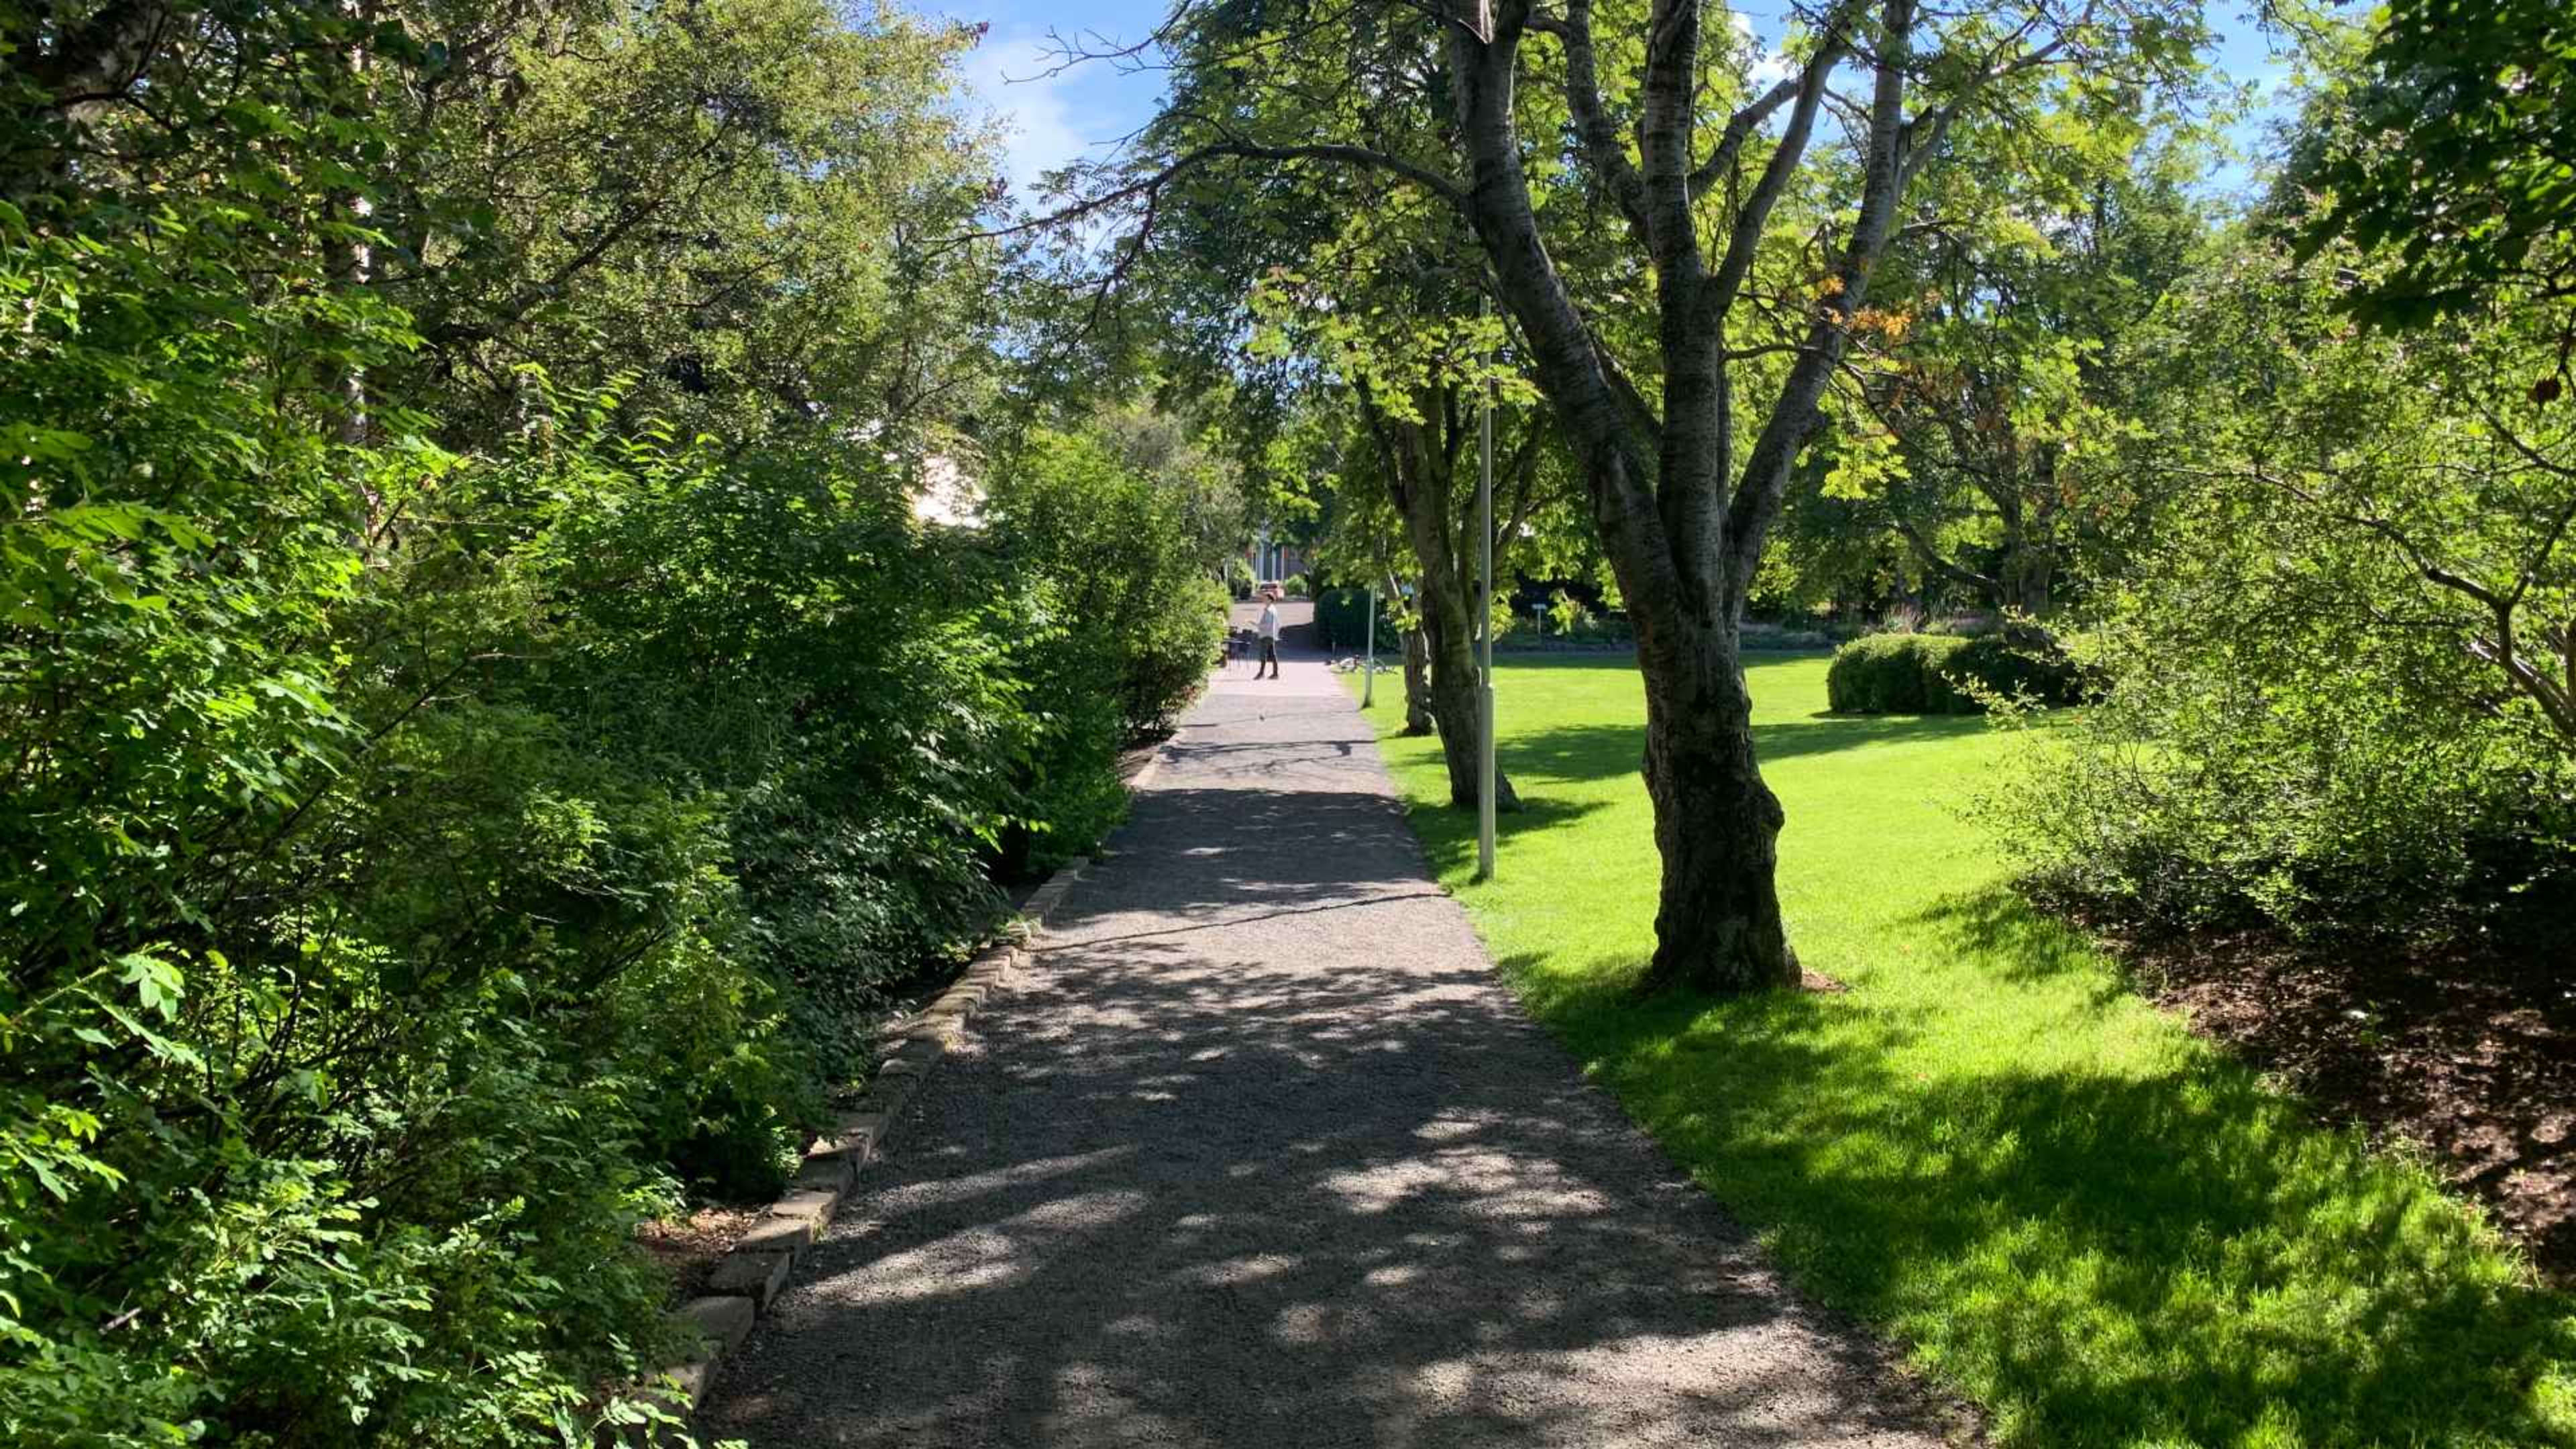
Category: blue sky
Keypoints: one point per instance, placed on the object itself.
(1085, 111)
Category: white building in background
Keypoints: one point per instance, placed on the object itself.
(1272, 560)
(947, 495)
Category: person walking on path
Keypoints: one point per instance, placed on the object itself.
(1256, 1152)
(1269, 630)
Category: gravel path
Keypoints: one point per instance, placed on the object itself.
(1259, 1153)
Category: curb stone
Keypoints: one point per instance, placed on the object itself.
(756, 1269)
(726, 1321)
(756, 1276)
(1145, 777)
(833, 1172)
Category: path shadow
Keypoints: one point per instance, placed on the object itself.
(1255, 849)
(1272, 1205)
(1266, 1156)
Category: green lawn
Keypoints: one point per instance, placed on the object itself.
(2073, 1212)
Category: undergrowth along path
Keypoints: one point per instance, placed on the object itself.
(1261, 1153)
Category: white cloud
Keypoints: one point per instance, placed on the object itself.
(1769, 66)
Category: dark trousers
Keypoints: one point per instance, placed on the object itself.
(1269, 659)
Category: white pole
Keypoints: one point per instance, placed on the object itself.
(1368, 680)
(1485, 624)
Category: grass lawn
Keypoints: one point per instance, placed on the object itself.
(2072, 1211)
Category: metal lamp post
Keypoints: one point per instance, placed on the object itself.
(1485, 625)
(1368, 678)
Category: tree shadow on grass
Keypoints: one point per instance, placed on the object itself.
(1606, 751)
(2026, 944)
(2172, 1256)
(1448, 833)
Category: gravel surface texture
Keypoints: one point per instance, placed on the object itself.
(1257, 1151)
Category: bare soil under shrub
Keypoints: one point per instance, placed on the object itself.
(2468, 1054)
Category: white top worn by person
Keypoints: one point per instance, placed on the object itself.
(1268, 667)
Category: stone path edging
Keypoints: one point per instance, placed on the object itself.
(1153, 766)
(754, 1271)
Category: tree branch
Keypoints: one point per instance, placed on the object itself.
(1739, 129)
(1601, 140)
(1796, 414)
(1358, 156)
(1745, 237)
(1664, 123)
(1956, 573)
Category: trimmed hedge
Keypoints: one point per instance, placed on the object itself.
(2041, 671)
(1896, 674)
(1341, 620)
(1921, 673)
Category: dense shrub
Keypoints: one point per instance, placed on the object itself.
(453, 909)
(1294, 586)
(421, 862)
(1342, 620)
(2207, 788)
(2031, 669)
(1944, 674)
(1238, 578)
(864, 694)
(349, 986)
(1130, 592)
(2262, 755)
(2312, 718)
(1896, 674)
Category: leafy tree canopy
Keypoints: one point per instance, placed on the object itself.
(2454, 147)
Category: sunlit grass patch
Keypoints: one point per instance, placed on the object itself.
(2071, 1210)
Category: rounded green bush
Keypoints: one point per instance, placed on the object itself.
(1925, 674)
(2038, 670)
(1896, 674)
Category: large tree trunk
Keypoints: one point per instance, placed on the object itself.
(1417, 683)
(1417, 669)
(2028, 576)
(1684, 542)
(1456, 700)
(82, 71)
(2032, 568)
(1717, 925)
(351, 264)
(1421, 459)
(1717, 921)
